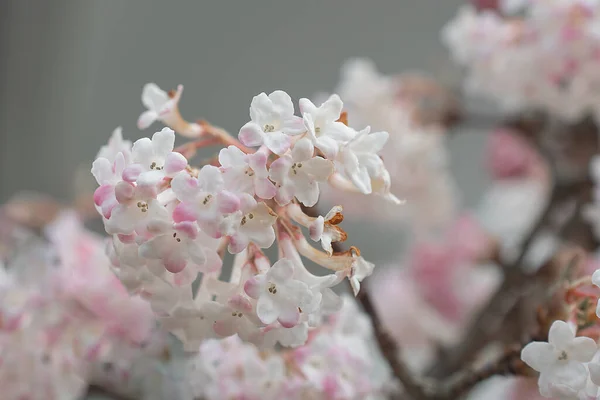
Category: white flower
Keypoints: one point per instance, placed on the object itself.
(327, 230)
(159, 104)
(323, 128)
(115, 145)
(135, 214)
(287, 337)
(281, 297)
(273, 120)
(108, 175)
(246, 172)
(154, 159)
(359, 159)
(298, 175)
(203, 198)
(178, 244)
(236, 318)
(252, 223)
(560, 361)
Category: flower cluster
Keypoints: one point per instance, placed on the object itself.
(65, 320)
(553, 44)
(171, 223)
(336, 363)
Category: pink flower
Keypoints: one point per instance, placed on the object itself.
(509, 156)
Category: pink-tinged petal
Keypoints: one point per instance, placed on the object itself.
(228, 202)
(247, 202)
(146, 119)
(264, 188)
(266, 310)
(316, 228)
(253, 287)
(126, 238)
(258, 163)
(124, 192)
(251, 135)
(107, 207)
(103, 193)
(289, 316)
(185, 187)
(281, 271)
(263, 238)
(184, 212)
(187, 228)
(303, 150)
(102, 171)
(132, 172)
(278, 142)
(285, 194)
(225, 327)
(174, 163)
(240, 303)
(280, 169)
(237, 243)
(213, 262)
(175, 263)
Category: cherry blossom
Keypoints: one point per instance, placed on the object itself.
(323, 128)
(246, 172)
(299, 175)
(273, 120)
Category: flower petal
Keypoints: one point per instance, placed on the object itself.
(251, 134)
(278, 142)
(582, 349)
(538, 355)
(266, 310)
(281, 271)
(153, 97)
(174, 163)
(163, 142)
(264, 188)
(561, 335)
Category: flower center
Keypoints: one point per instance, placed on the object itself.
(246, 217)
(155, 166)
(176, 238)
(207, 199)
(249, 172)
(237, 314)
(269, 128)
(563, 356)
(272, 288)
(143, 206)
(295, 167)
(317, 129)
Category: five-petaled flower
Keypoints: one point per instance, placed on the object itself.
(272, 122)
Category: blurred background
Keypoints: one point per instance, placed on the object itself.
(73, 70)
